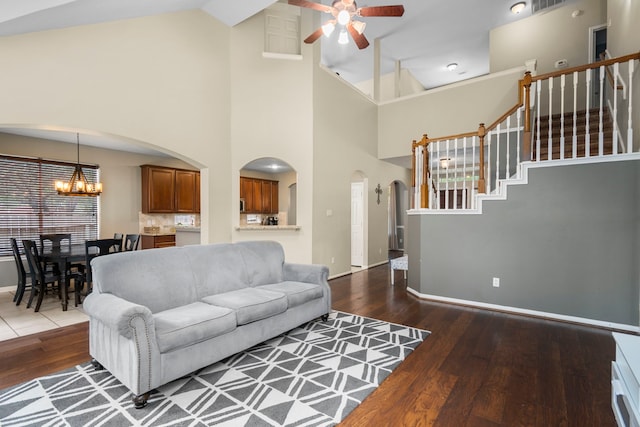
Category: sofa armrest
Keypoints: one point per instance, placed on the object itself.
(117, 313)
(309, 273)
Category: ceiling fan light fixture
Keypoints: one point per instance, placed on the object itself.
(452, 66)
(328, 28)
(359, 26)
(343, 39)
(343, 17)
(518, 7)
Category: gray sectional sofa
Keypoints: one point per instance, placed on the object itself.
(159, 314)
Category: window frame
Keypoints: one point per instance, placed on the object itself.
(30, 205)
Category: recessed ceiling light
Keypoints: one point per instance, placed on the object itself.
(452, 66)
(518, 7)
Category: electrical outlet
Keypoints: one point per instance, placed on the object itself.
(333, 260)
(496, 282)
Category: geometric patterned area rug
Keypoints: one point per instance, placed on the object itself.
(314, 375)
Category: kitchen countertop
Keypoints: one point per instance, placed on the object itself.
(258, 227)
(159, 233)
(188, 229)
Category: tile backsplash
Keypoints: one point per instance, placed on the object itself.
(166, 223)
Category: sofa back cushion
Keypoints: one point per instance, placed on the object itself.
(159, 279)
(264, 262)
(216, 268)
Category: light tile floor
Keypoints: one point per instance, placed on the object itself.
(18, 321)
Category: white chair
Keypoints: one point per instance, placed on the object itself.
(400, 263)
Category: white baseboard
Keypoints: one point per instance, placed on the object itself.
(364, 267)
(530, 313)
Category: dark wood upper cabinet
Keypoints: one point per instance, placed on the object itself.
(185, 191)
(158, 189)
(259, 195)
(168, 190)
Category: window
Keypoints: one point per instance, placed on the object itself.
(30, 205)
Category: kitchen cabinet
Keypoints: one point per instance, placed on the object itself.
(169, 190)
(186, 191)
(151, 241)
(260, 195)
(158, 189)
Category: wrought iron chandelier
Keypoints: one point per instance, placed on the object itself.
(78, 185)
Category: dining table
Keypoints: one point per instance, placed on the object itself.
(63, 256)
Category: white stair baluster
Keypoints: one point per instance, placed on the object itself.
(455, 173)
(616, 77)
(600, 126)
(550, 136)
(574, 139)
(487, 160)
(630, 102)
(464, 171)
(446, 177)
(437, 189)
(508, 164)
(562, 85)
(497, 135)
(473, 173)
(587, 134)
(538, 92)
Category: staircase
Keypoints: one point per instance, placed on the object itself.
(479, 165)
(558, 130)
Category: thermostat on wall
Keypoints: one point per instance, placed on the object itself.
(561, 63)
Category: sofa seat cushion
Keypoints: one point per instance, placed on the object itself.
(250, 304)
(192, 323)
(297, 292)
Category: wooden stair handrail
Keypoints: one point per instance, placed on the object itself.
(579, 68)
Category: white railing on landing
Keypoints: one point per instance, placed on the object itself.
(576, 115)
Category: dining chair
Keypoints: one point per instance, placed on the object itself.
(131, 242)
(54, 241)
(118, 236)
(95, 248)
(22, 274)
(39, 277)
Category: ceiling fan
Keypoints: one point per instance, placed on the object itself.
(343, 12)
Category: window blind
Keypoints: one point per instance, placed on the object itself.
(30, 205)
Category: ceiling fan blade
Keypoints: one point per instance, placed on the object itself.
(360, 40)
(314, 36)
(311, 5)
(397, 10)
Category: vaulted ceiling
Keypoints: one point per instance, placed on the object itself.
(430, 35)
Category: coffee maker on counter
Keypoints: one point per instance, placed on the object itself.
(272, 220)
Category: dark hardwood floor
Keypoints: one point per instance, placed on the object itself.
(478, 368)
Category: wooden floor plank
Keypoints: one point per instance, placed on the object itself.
(477, 368)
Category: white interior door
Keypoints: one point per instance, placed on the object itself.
(357, 224)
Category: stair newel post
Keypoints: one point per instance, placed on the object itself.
(413, 172)
(526, 143)
(481, 180)
(424, 189)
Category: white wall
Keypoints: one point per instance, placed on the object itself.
(408, 85)
(345, 141)
(161, 80)
(448, 110)
(272, 116)
(547, 37)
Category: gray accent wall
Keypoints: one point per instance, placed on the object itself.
(565, 243)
